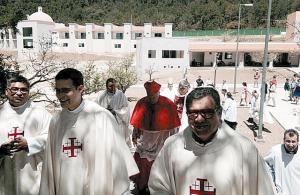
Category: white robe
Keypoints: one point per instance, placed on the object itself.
(101, 164)
(229, 165)
(169, 93)
(118, 102)
(285, 170)
(21, 173)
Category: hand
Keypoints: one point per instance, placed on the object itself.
(5, 149)
(20, 143)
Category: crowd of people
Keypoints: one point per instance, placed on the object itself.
(184, 139)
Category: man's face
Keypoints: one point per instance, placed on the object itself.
(153, 99)
(183, 90)
(111, 87)
(291, 142)
(68, 95)
(17, 93)
(203, 118)
(170, 86)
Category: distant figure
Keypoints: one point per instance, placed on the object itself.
(244, 94)
(169, 91)
(208, 157)
(283, 161)
(287, 88)
(296, 92)
(256, 78)
(209, 82)
(224, 90)
(253, 110)
(183, 89)
(199, 81)
(115, 101)
(272, 92)
(229, 113)
(154, 119)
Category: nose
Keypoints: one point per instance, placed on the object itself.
(199, 118)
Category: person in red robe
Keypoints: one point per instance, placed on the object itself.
(154, 119)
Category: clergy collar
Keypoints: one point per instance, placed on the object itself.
(291, 152)
(202, 142)
(78, 109)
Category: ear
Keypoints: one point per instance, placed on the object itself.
(6, 92)
(80, 88)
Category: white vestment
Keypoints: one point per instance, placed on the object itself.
(229, 111)
(228, 165)
(86, 154)
(285, 170)
(20, 174)
(118, 102)
(169, 93)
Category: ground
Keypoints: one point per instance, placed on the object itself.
(273, 132)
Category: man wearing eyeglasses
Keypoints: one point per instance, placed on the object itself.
(23, 134)
(208, 157)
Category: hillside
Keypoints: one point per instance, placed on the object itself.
(184, 14)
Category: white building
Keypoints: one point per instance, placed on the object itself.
(153, 46)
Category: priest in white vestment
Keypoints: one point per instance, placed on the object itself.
(86, 153)
(23, 135)
(284, 163)
(208, 157)
(116, 102)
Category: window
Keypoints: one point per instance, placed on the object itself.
(100, 35)
(172, 54)
(138, 35)
(83, 35)
(80, 44)
(228, 56)
(27, 32)
(157, 35)
(119, 35)
(151, 53)
(117, 45)
(65, 44)
(134, 46)
(28, 43)
(67, 35)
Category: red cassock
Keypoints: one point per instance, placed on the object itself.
(160, 116)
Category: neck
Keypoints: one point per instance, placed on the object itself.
(203, 140)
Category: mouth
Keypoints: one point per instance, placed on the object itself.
(63, 101)
(201, 126)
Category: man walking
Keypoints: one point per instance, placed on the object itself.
(23, 134)
(283, 161)
(116, 102)
(154, 119)
(85, 153)
(208, 157)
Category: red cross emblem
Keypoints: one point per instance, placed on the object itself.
(72, 147)
(202, 187)
(15, 133)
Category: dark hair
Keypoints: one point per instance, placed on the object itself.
(229, 95)
(70, 73)
(202, 92)
(17, 78)
(291, 133)
(110, 80)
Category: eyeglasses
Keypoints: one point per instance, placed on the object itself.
(205, 113)
(15, 90)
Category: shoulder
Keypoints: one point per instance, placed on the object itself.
(173, 141)
(38, 108)
(91, 106)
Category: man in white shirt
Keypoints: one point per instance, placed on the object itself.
(169, 91)
(208, 157)
(24, 128)
(283, 161)
(116, 102)
(85, 153)
(229, 113)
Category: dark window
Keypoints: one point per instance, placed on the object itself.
(27, 32)
(151, 53)
(117, 45)
(65, 44)
(83, 35)
(157, 35)
(67, 35)
(134, 46)
(228, 56)
(80, 44)
(28, 43)
(119, 35)
(172, 54)
(100, 35)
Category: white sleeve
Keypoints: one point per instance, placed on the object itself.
(159, 180)
(37, 143)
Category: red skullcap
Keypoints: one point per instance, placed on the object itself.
(152, 87)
